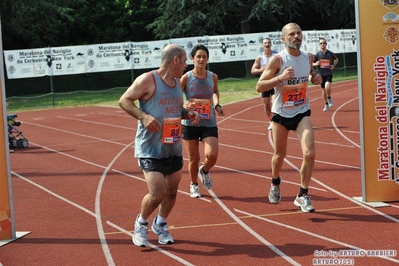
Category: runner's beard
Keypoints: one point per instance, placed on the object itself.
(293, 45)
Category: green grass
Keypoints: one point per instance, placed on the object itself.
(231, 90)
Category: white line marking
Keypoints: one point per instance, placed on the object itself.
(179, 259)
(309, 233)
(335, 125)
(336, 191)
(289, 156)
(89, 212)
(262, 176)
(97, 214)
(97, 123)
(251, 231)
(74, 133)
(97, 204)
(264, 134)
(142, 179)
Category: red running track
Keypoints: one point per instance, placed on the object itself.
(78, 189)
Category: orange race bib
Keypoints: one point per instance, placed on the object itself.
(171, 130)
(294, 95)
(203, 107)
(325, 63)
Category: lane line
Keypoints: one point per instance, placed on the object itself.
(311, 234)
(251, 231)
(229, 212)
(171, 255)
(97, 214)
(337, 128)
(337, 192)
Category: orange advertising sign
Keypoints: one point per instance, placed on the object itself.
(378, 64)
(5, 209)
(7, 230)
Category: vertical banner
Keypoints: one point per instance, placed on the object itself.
(7, 225)
(378, 65)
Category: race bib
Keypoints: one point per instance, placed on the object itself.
(171, 130)
(203, 107)
(325, 63)
(294, 95)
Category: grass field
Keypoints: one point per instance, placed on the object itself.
(231, 90)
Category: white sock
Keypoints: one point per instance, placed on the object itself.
(141, 220)
(160, 220)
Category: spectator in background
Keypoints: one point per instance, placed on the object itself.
(326, 61)
(257, 69)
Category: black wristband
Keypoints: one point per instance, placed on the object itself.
(184, 113)
(218, 105)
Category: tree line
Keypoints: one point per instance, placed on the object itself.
(51, 23)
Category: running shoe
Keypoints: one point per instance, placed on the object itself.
(330, 102)
(304, 203)
(140, 235)
(274, 194)
(194, 191)
(326, 107)
(161, 230)
(205, 178)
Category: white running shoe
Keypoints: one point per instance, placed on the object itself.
(274, 194)
(304, 203)
(330, 102)
(205, 178)
(161, 230)
(140, 235)
(194, 191)
(326, 107)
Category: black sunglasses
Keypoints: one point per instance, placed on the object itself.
(322, 43)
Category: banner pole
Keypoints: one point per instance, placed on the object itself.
(344, 59)
(378, 100)
(7, 222)
(51, 79)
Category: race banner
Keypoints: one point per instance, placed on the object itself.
(54, 61)
(378, 64)
(339, 41)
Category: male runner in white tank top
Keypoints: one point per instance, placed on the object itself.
(289, 73)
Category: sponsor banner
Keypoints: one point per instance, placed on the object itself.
(54, 61)
(378, 24)
(339, 41)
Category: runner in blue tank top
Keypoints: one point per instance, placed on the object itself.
(200, 87)
(158, 139)
(288, 73)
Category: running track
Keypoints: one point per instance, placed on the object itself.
(78, 189)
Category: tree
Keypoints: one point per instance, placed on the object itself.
(183, 18)
(111, 21)
(33, 23)
(42, 23)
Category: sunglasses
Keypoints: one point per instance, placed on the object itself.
(322, 43)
